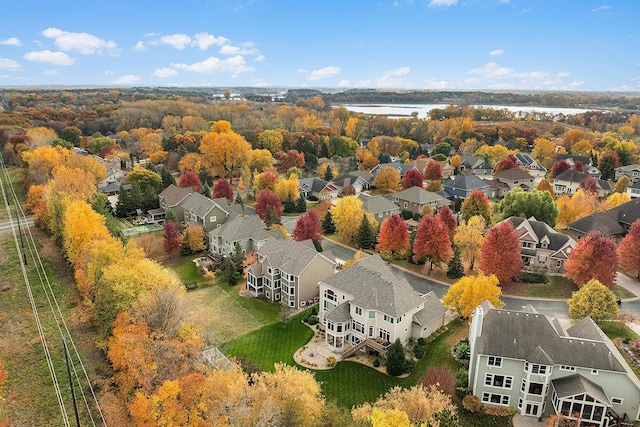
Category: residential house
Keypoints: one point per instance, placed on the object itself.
(531, 166)
(378, 206)
(634, 190)
(421, 165)
(208, 213)
(415, 198)
(542, 366)
(358, 182)
(460, 186)
(568, 182)
(249, 231)
(540, 245)
(173, 198)
(632, 171)
(289, 272)
(319, 188)
(613, 223)
(365, 307)
(402, 168)
(587, 164)
(504, 181)
(476, 165)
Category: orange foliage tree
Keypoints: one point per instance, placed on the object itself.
(432, 242)
(393, 238)
(594, 257)
(629, 250)
(500, 253)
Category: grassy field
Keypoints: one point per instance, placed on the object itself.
(16, 181)
(616, 330)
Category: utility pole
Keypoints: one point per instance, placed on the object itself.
(24, 254)
(73, 394)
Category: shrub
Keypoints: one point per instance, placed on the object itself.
(422, 341)
(191, 286)
(440, 377)
(499, 411)
(312, 198)
(409, 366)
(530, 277)
(331, 361)
(471, 403)
(417, 217)
(462, 350)
(406, 214)
(313, 319)
(314, 310)
(418, 352)
(396, 361)
(376, 363)
(462, 378)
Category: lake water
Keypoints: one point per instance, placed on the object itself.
(405, 110)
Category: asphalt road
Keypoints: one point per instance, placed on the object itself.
(5, 224)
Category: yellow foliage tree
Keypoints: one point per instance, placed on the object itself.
(190, 162)
(287, 188)
(468, 292)
(42, 161)
(225, 150)
(614, 200)
(347, 215)
(194, 238)
(271, 140)
(354, 128)
(544, 151)
(581, 204)
(82, 225)
(41, 136)
(261, 160)
(388, 179)
(582, 148)
(469, 237)
(493, 153)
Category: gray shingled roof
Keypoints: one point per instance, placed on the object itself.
(587, 329)
(433, 309)
(513, 174)
(312, 184)
(420, 196)
(340, 314)
(374, 287)
(516, 335)
(465, 182)
(288, 255)
(173, 194)
(377, 204)
(575, 384)
(541, 229)
(244, 227)
(198, 204)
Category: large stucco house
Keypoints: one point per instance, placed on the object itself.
(289, 272)
(542, 365)
(365, 307)
(249, 231)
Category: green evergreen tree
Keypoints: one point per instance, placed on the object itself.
(455, 269)
(240, 201)
(396, 361)
(301, 205)
(123, 207)
(271, 217)
(102, 206)
(328, 175)
(206, 189)
(289, 205)
(366, 234)
(327, 223)
(167, 178)
(170, 216)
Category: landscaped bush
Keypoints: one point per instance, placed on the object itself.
(418, 352)
(499, 411)
(422, 341)
(312, 198)
(462, 378)
(376, 363)
(313, 319)
(406, 214)
(471, 403)
(191, 286)
(331, 361)
(462, 350)
(417, 217)
(530, 277)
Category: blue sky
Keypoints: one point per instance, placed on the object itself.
(395, 44)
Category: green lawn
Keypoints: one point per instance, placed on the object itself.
(266, 312)
(616, 330)
(186, 269)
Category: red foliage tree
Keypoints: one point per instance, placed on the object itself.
(289, 159)
(559, 167)
(393, 236)
(267, 198)
(449, 220)
(171, 239)
(433, 171)
(222, 188)
(579, 166)
(589, 183)
(190, 179)
(629, 250)
(500, 253)
(594, 257)
(432, 242)
(507, 163)
(442, 378)
(476, 204)
(308, 226)
(412, 178)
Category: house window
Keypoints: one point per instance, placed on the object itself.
(527, 245)
(567, 368)
(330, 295)
(276, 284)
(594, 372)
(531, 409)
(388, 318)
(212, 218)
(358, 327)
(371, 331)
(406, 204)
(355, 340)
(501, 381)
(278, 297)
(339, 327)
(542, 259)
(359, 311)
(494, 361)
(538, 369)
(617, 400)
(292, 303)
(385, 335)
(536, 388)
(495, 398)
(372, 314)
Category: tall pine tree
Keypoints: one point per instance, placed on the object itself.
(366, 234)
(327, 223)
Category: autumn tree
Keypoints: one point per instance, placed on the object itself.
(614, 200)
(629, 250)
(589, 184)
(354, 128)
(224, 150)
(594, 300)
(594, 257)
(393, 238)
(271, 140)
(607, 164)
(308, 226)
(268, 200)
(366, 234)
(476, 204)
(190, 179)
(412, 178)
(347, 215)
(558, 168)
(470, 291)
(526, 204)
(449, 220)
(260, 160)
(507, 163)
(290, 159)
(545, 185)
(572, 208)
(469, 238)
(222, 188)
(441, 378)
(193, 239)
(387, 179)
(288, 188)
(171, 239)
(433, 171)
(432, 242)
(264, 181)
(621, 184)
(500, 253)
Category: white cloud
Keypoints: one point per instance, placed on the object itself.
(164, 72)
(212, 65)
(246, 48)
(343, 83)
(495, 76)
(179, 41)
(9, 64)
(109, 73)
(11, 41)
(259, 58)
(58, 58)
(392, 79)
(84, 43)
(603, 7)
(496, 52)
(445, 3)
(321, 73)
(576, 83)
(430, 83)
(491, 71)
(50, 72)
(140, 46)
(204, 40)
(126, 80)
